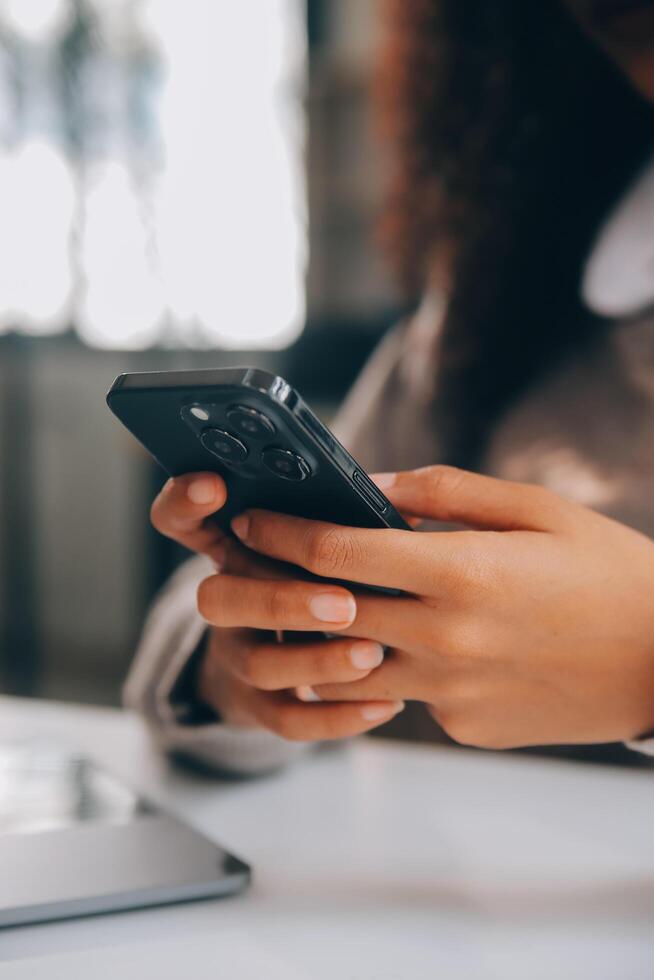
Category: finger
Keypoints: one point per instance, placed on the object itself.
(398, 621)
(232, 601)
(392, 680)
(246, 563)
(444, 493)
(276, 667)
(401, 622)
(242, 704)
(403, 560)
(181, 509)
(297, 721)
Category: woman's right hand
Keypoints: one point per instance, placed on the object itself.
(245, 675)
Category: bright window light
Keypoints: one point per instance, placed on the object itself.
(37, 206)
(163, 200)
(36, 20)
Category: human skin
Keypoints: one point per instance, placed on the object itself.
(248, 678)
(535, 625)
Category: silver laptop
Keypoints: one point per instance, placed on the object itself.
(75, 841)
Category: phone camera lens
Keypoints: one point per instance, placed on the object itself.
(223, 445)
(249, 422)
(286, 464)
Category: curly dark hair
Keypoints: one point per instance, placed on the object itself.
(512, 135)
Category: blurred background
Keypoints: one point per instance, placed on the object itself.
(181, 185)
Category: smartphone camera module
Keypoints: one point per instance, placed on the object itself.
(249, 422)
(226, 447)
(285, 464)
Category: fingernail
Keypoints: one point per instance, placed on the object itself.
(201, 491)
(365, 655)
(332, 607)
(307, 694)
(375, 712)
(384, 480)
(241, 526)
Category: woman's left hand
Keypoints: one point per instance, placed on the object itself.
(534, 626)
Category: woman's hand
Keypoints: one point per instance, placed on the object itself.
(536, 627)
(244, 674)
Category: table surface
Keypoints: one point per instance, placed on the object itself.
(374, 860)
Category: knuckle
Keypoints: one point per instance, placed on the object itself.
(474, 571)
(466, 729)
(330, 551)
(459, 726)
(278, 605)
(444, 480)
(463, 641)
(545, 501)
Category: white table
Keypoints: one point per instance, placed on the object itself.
(376, 861)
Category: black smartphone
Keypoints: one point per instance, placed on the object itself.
(255, 430)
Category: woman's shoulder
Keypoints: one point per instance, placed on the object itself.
(586, 430)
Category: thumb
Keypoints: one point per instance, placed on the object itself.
(444, 493)
(181, 509)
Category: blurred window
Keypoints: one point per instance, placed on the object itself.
(151, 171)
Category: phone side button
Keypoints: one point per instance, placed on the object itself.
(369, 491)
